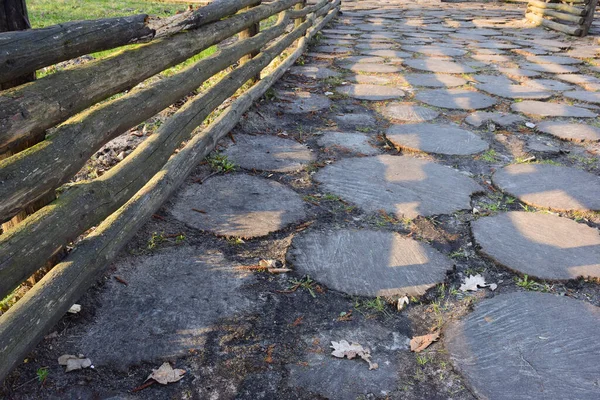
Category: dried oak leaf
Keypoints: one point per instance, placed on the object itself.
(166, 374)
(420, 343)
(343, 349)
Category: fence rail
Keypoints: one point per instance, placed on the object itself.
(573, 17)
(119, 201)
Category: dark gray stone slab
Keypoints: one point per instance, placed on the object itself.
(456, 99)
(550, 186)
(373, 68)
(582, 95)
(370, 92)
(570, 131)
(514, 91)
(341, 379)
(352, 142)
(438, 65)
(268, 153)
(238, 205)
(436, 50)
(172, 302)
(401, 186)
(436, 138)
(303, 102)
(368, 263)
(544, 109)
(526, 345)
(314, 72)
(479, 118)
(433, 80)
(408, 112)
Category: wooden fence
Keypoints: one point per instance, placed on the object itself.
(77, 104)
(573, 17)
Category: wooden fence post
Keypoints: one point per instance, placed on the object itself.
(247, 33)
(13, 17)
(299, 6)
(590, 8)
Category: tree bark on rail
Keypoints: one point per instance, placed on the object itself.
(28, 110)
(570, 30)
(33, 49)
(26, 248)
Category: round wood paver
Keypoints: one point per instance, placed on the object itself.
(550, 186)
(436, 50)
(479, 118)
(368, 263)
(303, 102)
(582, 95)
(353, 142)
(373, 68)
(514, 91)
(435, 138)
(519, 72)
(570, 131)
(541, 245)
(551, 68)
(402, 186)
(549, 84)
(387, 53)
(526, 345)
(560, 60)
(434, 80)
(268, 153)
(438, 65)
(409, 112)
(238, 205)
(544, 109)
(370, 92)
(456, 99)
(314, 72)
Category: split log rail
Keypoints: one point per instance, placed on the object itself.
(77, 104)
(573, 17)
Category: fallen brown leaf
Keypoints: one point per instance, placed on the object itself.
(420, 343)
(166, 374)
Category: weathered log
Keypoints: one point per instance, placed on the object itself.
(36, 48)
(14, 18)
(558, 15)
(590, 8)
(29, 174)
(298, 13)
(246, 33)
(26, 322)
(570, 30)
(30, 109)
(24, 249)
(558, 6)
